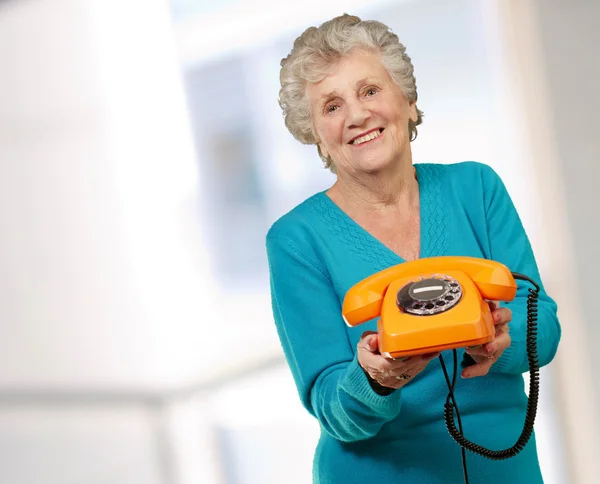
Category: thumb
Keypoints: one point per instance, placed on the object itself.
(369, 341)
(373, 343)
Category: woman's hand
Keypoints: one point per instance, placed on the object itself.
(486, 355)
(387, 372)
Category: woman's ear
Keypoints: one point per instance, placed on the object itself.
(412, 112)
(322, 151)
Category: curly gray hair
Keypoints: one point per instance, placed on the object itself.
(317, 49)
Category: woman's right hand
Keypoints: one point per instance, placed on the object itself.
(386, 371)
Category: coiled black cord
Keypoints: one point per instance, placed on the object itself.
(534, 380)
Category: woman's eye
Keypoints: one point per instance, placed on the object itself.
(371, 91)
(331, 108)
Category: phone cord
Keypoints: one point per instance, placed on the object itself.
(451, 405)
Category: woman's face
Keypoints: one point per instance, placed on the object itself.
(361, 116)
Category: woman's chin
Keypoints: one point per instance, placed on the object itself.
(372, 166)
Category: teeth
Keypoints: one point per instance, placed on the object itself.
(368, 137)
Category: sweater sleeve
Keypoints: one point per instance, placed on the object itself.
(510, 246)
(331, 384)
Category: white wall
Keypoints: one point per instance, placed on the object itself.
(105, 286)
(97, 178)
(554, 72)
(570, 38)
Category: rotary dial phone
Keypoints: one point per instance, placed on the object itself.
(441, 303)
(430, 305)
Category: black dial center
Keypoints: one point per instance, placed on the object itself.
(428, 296)
(428, 289)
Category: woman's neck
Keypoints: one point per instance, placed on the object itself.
(377, 193)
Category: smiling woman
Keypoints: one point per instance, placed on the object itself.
(361, 116)
(381, 58)
(348, 87)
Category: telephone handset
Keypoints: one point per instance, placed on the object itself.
(439, 303)
(431, 304)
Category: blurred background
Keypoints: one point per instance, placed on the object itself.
(143, 158)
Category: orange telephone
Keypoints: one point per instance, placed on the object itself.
(438, 303)
(432, 304)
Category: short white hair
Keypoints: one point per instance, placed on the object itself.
(313, 55)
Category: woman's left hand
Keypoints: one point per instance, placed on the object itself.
(486, 355)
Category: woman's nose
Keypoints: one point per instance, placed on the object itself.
(357, 114)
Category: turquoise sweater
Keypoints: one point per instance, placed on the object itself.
(316, 253)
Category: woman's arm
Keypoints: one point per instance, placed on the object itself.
(510, 246)
(331, 384)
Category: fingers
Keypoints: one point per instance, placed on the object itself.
(499, 343)
(396, 373)
(482, 351)
(389, 372)
(480, 369)
(502, 315)
(409, 363)
(415, 365)
(485, 356)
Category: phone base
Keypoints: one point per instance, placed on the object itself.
(434, 349)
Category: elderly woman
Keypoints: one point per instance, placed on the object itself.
(348, 87)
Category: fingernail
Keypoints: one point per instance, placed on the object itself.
(465, 374)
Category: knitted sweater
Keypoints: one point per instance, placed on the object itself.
(316, 253)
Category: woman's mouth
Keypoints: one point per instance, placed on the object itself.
(367, 138)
